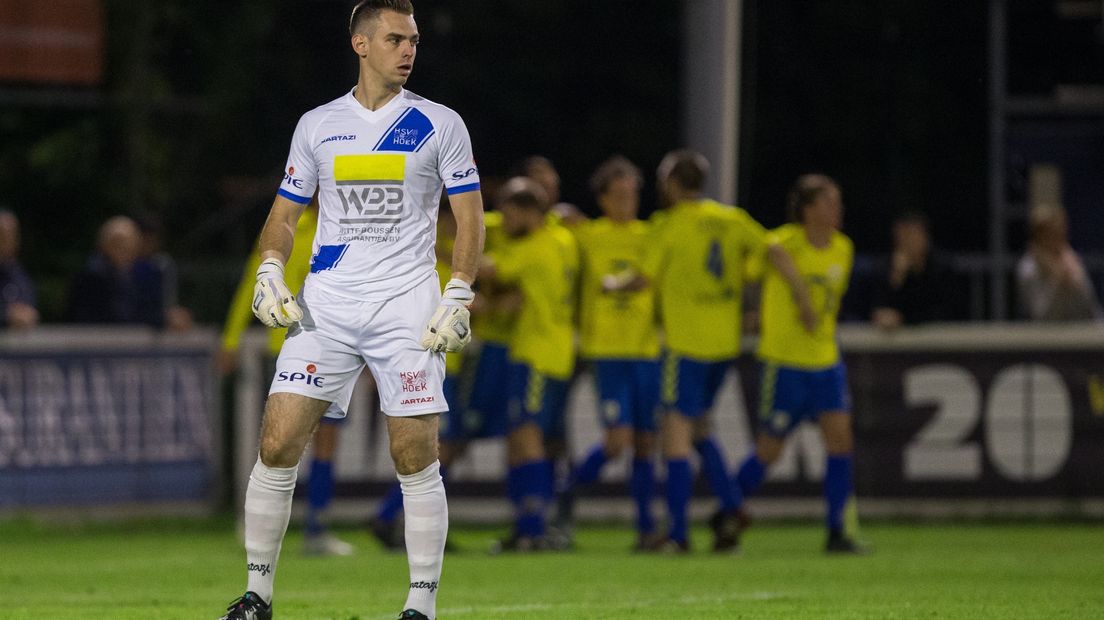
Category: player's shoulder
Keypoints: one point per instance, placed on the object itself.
(843, 242)
(786, 234)
(437, 112)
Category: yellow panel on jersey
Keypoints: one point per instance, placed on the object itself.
(372, 167)
(491, 325)
(614, 325)
(240, 315)
(695, 259)
(783, 340)
(544, 265)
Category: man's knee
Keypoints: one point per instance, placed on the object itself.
(413, 443)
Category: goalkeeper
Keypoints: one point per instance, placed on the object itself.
(379, 158)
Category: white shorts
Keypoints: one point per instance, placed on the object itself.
(326, 351)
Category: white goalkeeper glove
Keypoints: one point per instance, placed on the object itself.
(449, 328)
(273, 303)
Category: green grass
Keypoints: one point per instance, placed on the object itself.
(193, 569)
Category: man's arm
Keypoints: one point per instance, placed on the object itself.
(278, 234)
(467, 249)
(781, 260)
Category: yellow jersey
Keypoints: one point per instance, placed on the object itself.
(616, 325)
(240, 315)
(826, 271)
(696, 259)
(544, 266)
(491, 324)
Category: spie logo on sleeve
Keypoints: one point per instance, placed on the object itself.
(289, 178)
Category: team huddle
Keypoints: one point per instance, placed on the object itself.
(655, 307)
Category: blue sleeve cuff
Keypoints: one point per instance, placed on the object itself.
(460, 189)
(293, 197)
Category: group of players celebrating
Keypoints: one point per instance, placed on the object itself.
(654, 309)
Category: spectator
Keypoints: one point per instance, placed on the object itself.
(17, 293)
(153, 258)
(919, 285)
(114, 287)
(1051, 281)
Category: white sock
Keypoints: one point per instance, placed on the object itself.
(267, 510)
(426, 513)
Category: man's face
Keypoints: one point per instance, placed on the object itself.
(391, 47)
(911, 238)
(827, 209)
(621, 199)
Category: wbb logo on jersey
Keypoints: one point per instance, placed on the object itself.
(370, 187)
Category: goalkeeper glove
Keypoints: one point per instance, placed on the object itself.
(448, 329)
(273, 303)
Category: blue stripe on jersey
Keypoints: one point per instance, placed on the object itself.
(389, 129)
(408, 134)
(424, 141)
(460, 189)
(328, 257)
(293, 197)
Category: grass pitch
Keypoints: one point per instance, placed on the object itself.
(181, 569)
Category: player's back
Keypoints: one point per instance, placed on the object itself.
(492, 323)
(696, 261)
(826, 271)
(544, 266)
(614, 325)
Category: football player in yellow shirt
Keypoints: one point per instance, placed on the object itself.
(803, 377)
(619, 337)
(542, 263)
(320, 483)
(696, 260)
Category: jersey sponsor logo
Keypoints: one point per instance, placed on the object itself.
(290, 179)
(370, 188)
(408, 133)
(339, 138)
(414, 381)
(460, 175)
(309, 377)
(416, 400)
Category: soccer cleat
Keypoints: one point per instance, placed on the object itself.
(411, 614)
(326, 544)
(248, 607)
(669, 546)
(518, 544)
(390, 533)
(646, 542)
(727, 528)
(559, 538)
(844, 545)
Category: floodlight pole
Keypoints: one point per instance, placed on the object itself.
(711, 89)
(998, 208)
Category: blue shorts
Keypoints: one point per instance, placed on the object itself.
(690, 386)
(628, 392)
(535, 399)
(789, 395)
(477, 402)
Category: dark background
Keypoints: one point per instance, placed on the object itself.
(199, 100)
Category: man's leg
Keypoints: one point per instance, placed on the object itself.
(289, 420)
(677, 432)
(642, 484)
(414, 451)
(529, 481)
(839, 486)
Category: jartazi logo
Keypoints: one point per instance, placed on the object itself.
(415, 401)
(265, 569)
(424, 585)
(344, 138)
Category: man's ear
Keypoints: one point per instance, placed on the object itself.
(360, 45)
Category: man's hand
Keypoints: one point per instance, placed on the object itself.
(449, 328)
(273, 303)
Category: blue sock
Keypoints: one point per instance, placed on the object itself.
(678, 497)
(751, 474)
(391, 505)
(531, 491)
(320, 487)
(713, 466)
(588, 470)
(838, 486)
(641, 486)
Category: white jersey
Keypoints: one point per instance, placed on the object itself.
(379, 175)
